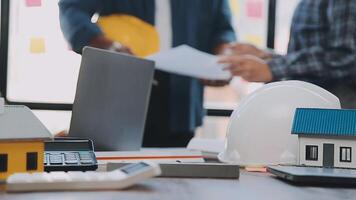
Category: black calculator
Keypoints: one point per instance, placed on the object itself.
(69, 154)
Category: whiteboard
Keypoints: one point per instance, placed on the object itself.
(43, 69)
(41, 66)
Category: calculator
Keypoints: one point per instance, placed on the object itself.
(69, 154)
(124, 177)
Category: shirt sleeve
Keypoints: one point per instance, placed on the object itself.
(75, 21)
(224, 32)
(332, 61)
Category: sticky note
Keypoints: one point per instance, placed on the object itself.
(235, 7)
(254, 8)
(33, 3)
(37, 45)
(254, 39)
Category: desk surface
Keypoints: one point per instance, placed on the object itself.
(250, 186)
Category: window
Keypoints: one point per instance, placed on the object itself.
(311, 152)
(345, 154)
(3, 162)
(31, 161)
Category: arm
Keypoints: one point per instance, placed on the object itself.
(335, 60)
(75, 20)
(224, 33)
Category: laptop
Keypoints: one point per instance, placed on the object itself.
(314, 175)
(111, 99)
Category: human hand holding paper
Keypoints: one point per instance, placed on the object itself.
(187, 61)
(249, 49)
(103, 42)
(248, 67)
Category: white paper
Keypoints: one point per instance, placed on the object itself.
(206, 145)
(187, 61)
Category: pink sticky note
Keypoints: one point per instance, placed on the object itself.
(33, 3)
(255, 8)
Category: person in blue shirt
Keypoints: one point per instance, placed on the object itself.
(176, 104)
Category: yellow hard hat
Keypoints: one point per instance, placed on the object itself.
(141, 37)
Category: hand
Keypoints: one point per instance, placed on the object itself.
(250, 68)
(249, 49)
(216, 83)
(105, 43)
(125, 49)
(63, 133)
(115, 46)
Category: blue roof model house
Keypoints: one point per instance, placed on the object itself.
(327, 137)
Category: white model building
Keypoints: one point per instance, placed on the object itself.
(327, 137)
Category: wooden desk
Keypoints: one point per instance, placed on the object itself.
(250, 186)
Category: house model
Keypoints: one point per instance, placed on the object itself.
(22, 138)
(327, 137)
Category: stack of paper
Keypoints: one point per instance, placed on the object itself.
(187, 61)
(160, 155)
(210, 148)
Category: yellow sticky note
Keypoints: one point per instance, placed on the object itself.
(235, 7)
(254, 39)
(37, 45)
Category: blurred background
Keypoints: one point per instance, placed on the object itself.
(44, 72)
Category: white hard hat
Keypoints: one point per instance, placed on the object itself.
(259, 131)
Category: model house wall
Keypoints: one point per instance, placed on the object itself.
(344, 159)
(21, 156)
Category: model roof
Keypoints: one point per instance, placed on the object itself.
(324, 122)
(19, 123)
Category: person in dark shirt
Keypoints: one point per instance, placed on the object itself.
(176, 105)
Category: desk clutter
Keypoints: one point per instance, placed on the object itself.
(312, 135)
(174, 162)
